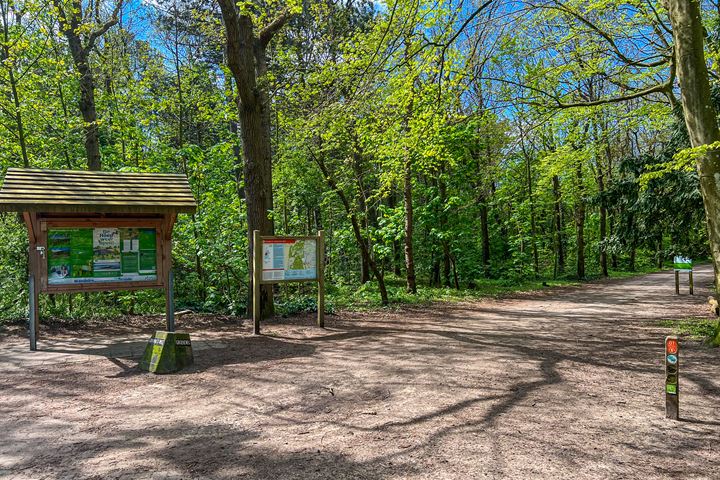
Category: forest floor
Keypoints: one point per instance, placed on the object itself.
(565, 383)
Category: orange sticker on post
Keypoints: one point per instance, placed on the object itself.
(671, 346)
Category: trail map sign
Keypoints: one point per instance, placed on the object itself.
(100, 255)
(683, 265)
(287, 259)
(97, 231)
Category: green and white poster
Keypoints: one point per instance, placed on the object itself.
(100, 255)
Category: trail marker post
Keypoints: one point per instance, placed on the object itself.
(683, 265)
(672, 384)
(288, 259)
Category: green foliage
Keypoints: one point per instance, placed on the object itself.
(384, 96)
(694, 328)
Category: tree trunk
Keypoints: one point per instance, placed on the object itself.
(580, 223)
(246, 57)
(407, 184)
(255, 132)
(698, 110)
(603, 224)
(408, 201)
(485, 234)
(536, 263)
(559, 240)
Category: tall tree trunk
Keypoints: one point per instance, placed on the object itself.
(246, 57)
(603, 223)
(5, 60)
(407, 182)
(559, 240)
(408, 201)
(445, 244)
(536, 263)
(485, 236)
(698, 110)
(81, 41)
(580, 222)
(633, 242)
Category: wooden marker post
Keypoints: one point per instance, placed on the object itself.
(677, 282)
(672, 384)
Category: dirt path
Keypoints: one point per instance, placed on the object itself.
(566, 384)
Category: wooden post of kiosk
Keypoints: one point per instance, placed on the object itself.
(96, 231)
(256, 280)
(278, 272)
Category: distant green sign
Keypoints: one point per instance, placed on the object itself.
(100, 255)
(682, 263)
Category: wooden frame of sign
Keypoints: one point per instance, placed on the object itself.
(258, 280)
(65, 201)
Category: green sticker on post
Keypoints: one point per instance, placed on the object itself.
(671, 388)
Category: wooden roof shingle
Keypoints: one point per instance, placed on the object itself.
(39, 190)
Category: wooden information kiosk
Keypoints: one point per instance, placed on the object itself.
(97, 231)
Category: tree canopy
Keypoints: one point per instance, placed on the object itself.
(439, 145)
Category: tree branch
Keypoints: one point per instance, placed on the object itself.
(267, 33)
(660, 88)
(112, 21)
(608, 38)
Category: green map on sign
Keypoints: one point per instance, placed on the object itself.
(301, 260)
(296, 256)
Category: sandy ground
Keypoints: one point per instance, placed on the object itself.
(561, 384)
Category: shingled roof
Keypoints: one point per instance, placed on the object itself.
(36, 190)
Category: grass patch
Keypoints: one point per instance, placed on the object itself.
(367, 297)
(693, 327)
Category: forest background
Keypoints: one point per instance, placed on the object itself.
(447, 149)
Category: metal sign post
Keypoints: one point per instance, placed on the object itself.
(672, 386)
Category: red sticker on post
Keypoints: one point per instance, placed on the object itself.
(671, 346)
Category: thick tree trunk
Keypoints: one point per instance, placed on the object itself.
(255, 133)
(87, 106)
(81, 39)
(247, 61)
(699, 112)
